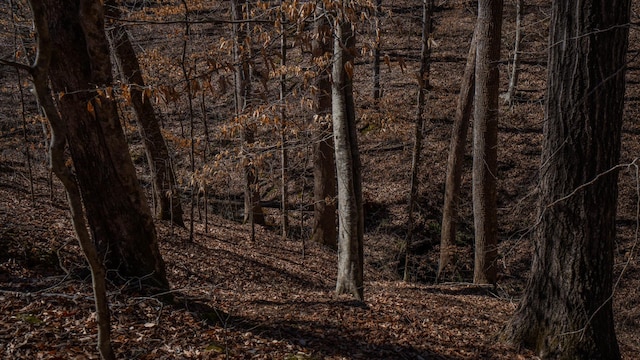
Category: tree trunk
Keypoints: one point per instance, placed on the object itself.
(423, 85)
(513, 79)
(485, 140)
(116, 208)
(283, 127)
(324, 172)
(252, 210)
(40, 74)
(166, 193)
(455, 160)
(350, 219)
(377, 91)
(566, 311)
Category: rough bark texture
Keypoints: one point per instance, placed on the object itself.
(167, 196)
(324, 172)
(455, 160)
(350, 213)
(485, 140)
(116, 208)
(566, 311)
(58, 142)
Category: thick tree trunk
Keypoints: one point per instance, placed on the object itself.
(566, 311)
(455, 160)
(324, 171)
(116, 208)
(40, 75)
(485, 140)
(166, 193)
(350, 213)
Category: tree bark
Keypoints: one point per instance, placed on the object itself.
(165, 190)
(252, 210)
(513, 79)
(40, 74)
(377, 90)
(566, 311)
(350, 213)
(423, 85)
(485, 140)
(324, 172)
(116, 208)
(455, 160)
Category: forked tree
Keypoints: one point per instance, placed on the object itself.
(566, 311)
(485, 140)
(350, 212)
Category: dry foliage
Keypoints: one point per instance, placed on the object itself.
(264, 300)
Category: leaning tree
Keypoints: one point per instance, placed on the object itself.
(115, 206)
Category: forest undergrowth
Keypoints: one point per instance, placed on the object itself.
(273, 298)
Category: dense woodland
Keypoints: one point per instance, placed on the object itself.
(353, 179)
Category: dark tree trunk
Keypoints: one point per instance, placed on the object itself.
(455, 160)
(566, 311)
(351, 221)
(57, 158)
(116, 208)
(485, 140)
(377, 90)
(423, 85)
(324, 171)
(165, 191)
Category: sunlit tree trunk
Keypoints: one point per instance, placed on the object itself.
(485, 140)
(566, 311)
(350, 213)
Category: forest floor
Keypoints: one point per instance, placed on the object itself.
(274, 298)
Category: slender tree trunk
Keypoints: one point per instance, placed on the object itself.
(377, 91)
(324, 173)
(168, 205)
(283, 126)
(513, 80)
(116, 208)
(350, 219)
(485, 141)
(455, 160)
(252, 210)
(566, 311)
(423, 85)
